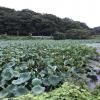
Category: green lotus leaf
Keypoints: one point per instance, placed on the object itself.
(54, 80)
(66, 62)
(14, 90)
(16, 74)
(38, 89)
(46, 82)
(20, 91)
(10, 64)
(11, 87)
(23, 66)
(1, 53)
(2, 82)
(30, 63)
(36, 81)
(7, 73)
(24, 77)
(53, 67)
(48, 61)
(3, 94)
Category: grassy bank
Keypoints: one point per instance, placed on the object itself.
(4, 37)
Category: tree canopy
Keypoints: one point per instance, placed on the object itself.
(27, 22)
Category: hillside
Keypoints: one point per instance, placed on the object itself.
(27, 22)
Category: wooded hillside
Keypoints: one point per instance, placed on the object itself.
(27, 22)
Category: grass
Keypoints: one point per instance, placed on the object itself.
(4, 37)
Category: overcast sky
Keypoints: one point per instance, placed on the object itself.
(87, 11)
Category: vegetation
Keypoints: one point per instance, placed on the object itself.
(6, 37)
(59, 36)
(44, 66)
(37, 69)
(77, 34)
(96, 30)
(28, 22)
(97, 37)
(67, 91)
(72, 34)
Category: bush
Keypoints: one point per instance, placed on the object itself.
(59, 36)
(72, 34)
(65, 92)
(3, 36)
(77, 34)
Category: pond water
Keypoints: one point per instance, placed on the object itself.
(92, 84)
(96, 45)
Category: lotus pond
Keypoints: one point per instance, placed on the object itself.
(47, 70)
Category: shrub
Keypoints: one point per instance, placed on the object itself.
(65, 92)
(72, 34)
(59, 36)
(77, 34)
(3, 36)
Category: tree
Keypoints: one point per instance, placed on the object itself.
(77, 34)
(26, 21)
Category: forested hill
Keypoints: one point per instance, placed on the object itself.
(24, 22)
(96, 30)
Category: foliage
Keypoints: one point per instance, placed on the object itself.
(95, 30)
(59, 36)
(77, 34)
(41, 67)
(72, 34)
(2, 37)
(26, 22)
(96, 92)
(67, 91)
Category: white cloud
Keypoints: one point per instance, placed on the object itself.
(82, 10)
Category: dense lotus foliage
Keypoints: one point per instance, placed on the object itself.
(67, 91)
(42, 67)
